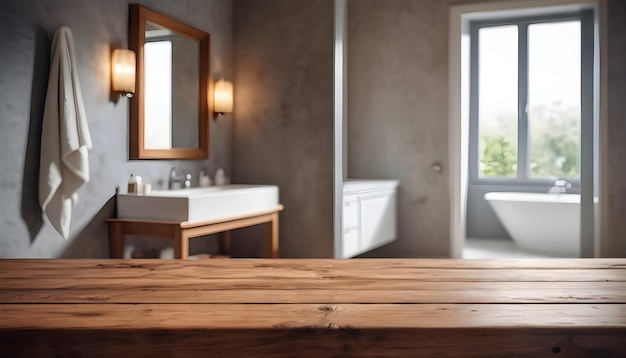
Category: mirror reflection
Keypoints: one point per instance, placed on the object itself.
(170, 61)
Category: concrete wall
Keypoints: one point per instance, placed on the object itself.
(283, 132)
(398, 114)
(616, 225)
(98, 26)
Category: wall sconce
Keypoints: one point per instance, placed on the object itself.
(123, 65)
(222, 98)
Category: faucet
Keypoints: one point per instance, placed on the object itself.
(560, 186)
(176, 179)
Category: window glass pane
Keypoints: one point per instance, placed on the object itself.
(497, 101)
(554, 99)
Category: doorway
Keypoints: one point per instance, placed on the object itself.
(509, 152)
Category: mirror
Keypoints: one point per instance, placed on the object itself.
(169, 112)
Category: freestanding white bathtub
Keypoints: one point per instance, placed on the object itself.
(546, 224)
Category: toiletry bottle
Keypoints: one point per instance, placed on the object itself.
(139, 183)
(219, 177)
(132, 185)
(203, 179)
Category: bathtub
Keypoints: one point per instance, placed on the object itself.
(547, 224)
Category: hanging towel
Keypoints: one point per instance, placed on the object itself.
(65, 138)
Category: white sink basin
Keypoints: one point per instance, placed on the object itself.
(197, 204)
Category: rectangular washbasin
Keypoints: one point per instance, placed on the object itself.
(197, 204)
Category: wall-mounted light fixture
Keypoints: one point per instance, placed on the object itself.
(123, 72)
(222, 98)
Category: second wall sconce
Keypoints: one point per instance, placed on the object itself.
(123, 65)
(222, 98)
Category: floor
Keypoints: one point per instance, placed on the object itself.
(495, 249)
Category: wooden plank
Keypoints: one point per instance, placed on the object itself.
(428, 292)
(224, 243)
(157, 280)
(196, 230)
(299, 269)
(258, 213)
(272, 239)
(192, 224)
(313, 342)
(293, 316)
(181, 243)
(370, 266)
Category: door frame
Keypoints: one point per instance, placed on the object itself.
(458, 95)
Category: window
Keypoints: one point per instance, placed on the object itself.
(525, 99)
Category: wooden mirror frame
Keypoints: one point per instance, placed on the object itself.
(137, 27)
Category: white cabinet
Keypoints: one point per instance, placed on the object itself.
(369, 215)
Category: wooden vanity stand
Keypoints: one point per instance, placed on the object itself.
(181, 232)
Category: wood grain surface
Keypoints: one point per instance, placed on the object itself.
(313, 307)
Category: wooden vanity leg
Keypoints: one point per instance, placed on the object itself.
(181, 244)
(223, 243)
(272, 237)
(116, 241)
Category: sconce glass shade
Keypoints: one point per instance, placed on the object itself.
(223, 97)
(123, 71)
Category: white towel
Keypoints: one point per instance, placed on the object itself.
(65, 138)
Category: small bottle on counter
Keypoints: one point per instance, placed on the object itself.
(203, 179)
(219, 177)
(134, 185)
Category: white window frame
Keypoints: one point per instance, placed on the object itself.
(523, 177)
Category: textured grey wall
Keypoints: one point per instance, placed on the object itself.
(284, 114)
(98, 26)
(616, 245)
(398, 114)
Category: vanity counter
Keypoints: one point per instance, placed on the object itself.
(312, 307)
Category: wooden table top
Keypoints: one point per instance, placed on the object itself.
(390, 307)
